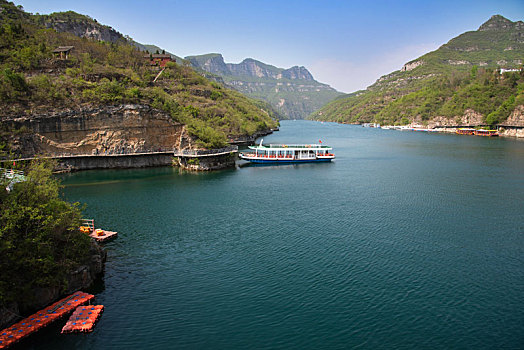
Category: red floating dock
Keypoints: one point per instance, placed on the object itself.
(37, 321)
(83, 319)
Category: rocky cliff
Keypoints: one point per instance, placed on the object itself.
(293, 91)
(253, 68)
(497, 23)
(80, 25)
(117, 129)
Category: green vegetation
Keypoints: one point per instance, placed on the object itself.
(40, 243)
(462, 74)
(33, 80)
(487, 92)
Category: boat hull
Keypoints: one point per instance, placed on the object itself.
(285, 161)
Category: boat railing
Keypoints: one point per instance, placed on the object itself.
(311, 146)
(10, 173)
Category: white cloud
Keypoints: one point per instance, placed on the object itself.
(349, 76)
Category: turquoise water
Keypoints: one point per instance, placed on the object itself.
(408, 240)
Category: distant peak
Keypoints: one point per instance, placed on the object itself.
(497, 22)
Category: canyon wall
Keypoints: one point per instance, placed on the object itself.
(119, 129)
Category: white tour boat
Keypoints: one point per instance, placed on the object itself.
(282, 154)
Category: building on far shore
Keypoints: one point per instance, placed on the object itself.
(159, 59)
(504, 70)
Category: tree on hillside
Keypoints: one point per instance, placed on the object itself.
(40, 243)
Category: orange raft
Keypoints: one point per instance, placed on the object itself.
(102, 235)
(83, 319)
(42, 318)
(88, 227)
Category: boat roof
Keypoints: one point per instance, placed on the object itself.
(290, 147)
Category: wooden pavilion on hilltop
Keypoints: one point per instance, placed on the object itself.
(63, 52)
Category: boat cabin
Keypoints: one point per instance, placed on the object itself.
(288, 153)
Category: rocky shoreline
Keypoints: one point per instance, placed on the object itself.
(512, 127)
(109, 137)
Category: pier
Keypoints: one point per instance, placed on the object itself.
(188, 159)
(99, 235)
(43, 318)
(74, 162)
(83, 319)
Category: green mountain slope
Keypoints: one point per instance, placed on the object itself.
(97, 73)
(463, 74)
(293, 92)
(86, 27)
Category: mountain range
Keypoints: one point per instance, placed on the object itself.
(471, 75)
(293, 91)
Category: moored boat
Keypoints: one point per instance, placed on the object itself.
(465, 131)
(484, 132)
(282, 154)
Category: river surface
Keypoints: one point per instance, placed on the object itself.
(407, 240)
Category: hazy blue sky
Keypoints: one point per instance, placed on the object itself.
(347, 44)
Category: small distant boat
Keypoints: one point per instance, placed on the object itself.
(282, 154)
(371, 125)
(483, 132)
(465, 131)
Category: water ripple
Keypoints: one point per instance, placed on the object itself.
(405, 241)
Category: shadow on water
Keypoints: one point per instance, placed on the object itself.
(98, 285)
(116, 176)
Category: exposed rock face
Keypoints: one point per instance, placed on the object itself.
(214, 63)
(411, 65)
(457, 63)
(470, 118)
(297, 72)
(252, 68)
(9, 315)
(84, 28)
(516, 118)
(512, 127)
(497, 22)
(105, 130)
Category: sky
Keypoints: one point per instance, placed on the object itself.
(346, 44)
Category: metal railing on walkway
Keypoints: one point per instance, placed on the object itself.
(205, 152)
